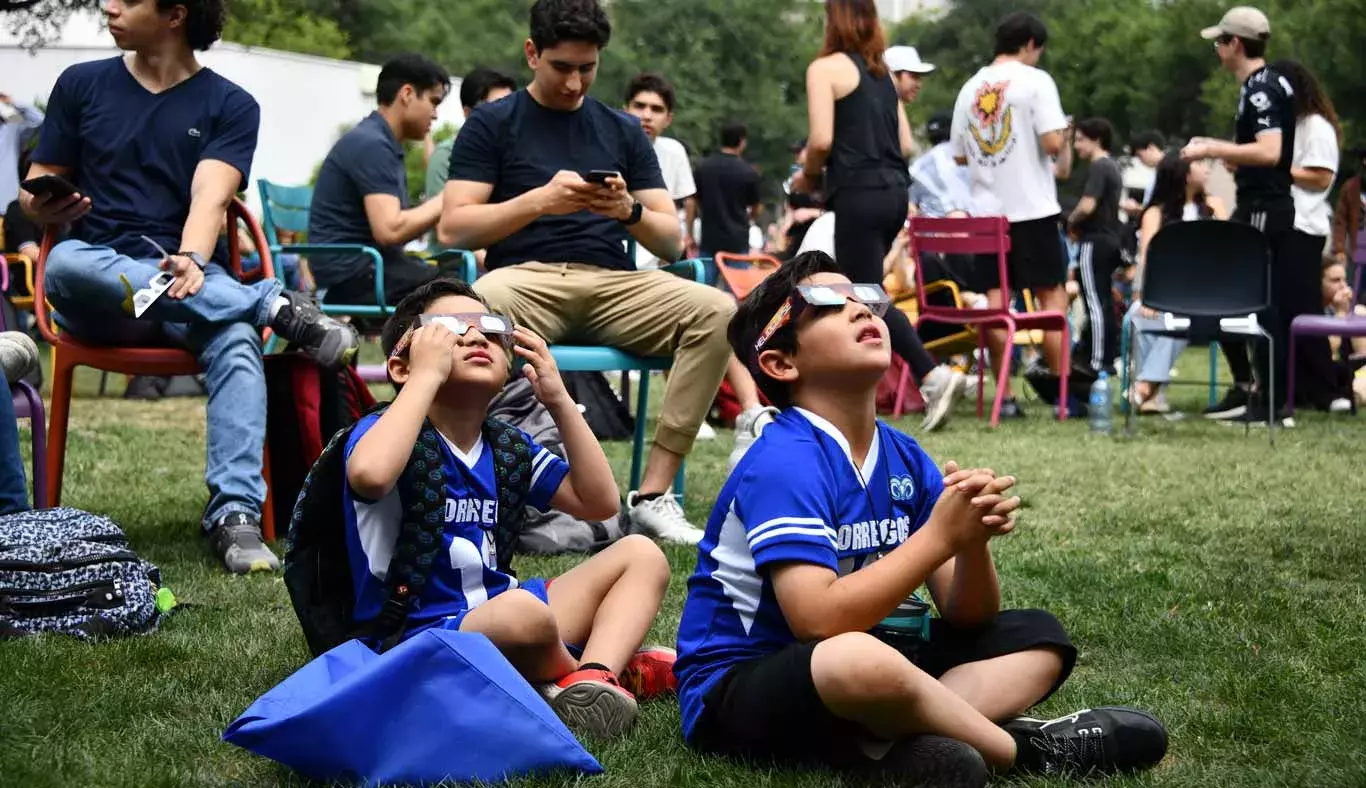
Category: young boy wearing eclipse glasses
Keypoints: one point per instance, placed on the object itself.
(577, 636)
(801, 640)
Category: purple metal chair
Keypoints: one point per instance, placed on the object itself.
(1324, 326)
(28, 404)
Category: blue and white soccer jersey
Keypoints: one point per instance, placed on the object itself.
(466, 574)
(796, 496)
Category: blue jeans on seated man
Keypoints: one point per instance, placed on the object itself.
(13, 488)
(89, 286)
(1156, 354)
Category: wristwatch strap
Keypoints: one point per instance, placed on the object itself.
(637, 211)
(195, 256)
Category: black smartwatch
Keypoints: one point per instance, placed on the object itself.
(195, 257)
(637, 211)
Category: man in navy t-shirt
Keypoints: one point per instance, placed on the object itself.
(156, 145)
(362, 192)
(560, 245)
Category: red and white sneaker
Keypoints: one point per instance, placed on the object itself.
(591, 701)
(650, 672)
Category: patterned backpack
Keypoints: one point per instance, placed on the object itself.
(71, 572)
(318, 572)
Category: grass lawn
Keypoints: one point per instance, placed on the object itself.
(1204, 576)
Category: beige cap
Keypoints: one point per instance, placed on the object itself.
(1241, 21)
(904, 58)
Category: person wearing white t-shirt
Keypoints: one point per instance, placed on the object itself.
(650, 97)
(1010, 131)
(1313, 167)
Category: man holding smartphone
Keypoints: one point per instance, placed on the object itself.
(560, 247)
(156, 145)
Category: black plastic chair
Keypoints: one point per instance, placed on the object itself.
(1210, 278)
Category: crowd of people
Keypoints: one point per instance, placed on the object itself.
(829, 520)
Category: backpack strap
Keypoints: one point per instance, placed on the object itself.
(422, 494)
(512, 476)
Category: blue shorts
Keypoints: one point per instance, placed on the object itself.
(536, 586)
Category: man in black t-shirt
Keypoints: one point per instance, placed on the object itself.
(1095, 221)
(560, 247)
(1262, 149)
(727, 196)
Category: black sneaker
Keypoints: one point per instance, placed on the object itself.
(329, 342)
(236, 539)
(1011, 410)
(930, 761)
(1233, 405)
(1106, 740)
(1255, 415)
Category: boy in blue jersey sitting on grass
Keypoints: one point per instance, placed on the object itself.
(449, 357)
(789, 647)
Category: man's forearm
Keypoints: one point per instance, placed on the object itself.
(202, 225)
(975, 597)
(658, 232)
(413, 222)
(1251, 154)
(482, 225)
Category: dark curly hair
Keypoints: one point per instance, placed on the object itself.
(759, 307)
(557, 21)
(203, 21)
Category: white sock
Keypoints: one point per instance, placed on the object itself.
(280, 301)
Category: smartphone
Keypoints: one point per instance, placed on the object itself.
(55, 187)
(600, 176)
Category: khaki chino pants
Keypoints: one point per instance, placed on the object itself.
(645, 313)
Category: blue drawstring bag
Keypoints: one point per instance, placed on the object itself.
(441, 705)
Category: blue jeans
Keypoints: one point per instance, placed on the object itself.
(1156, 354)
(13, 488)
(89, 285)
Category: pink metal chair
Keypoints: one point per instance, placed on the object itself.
(984, 235)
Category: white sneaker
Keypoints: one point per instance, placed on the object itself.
(748, 426)
(18, 355)
(1340, 405)
(662, 518)
(942, 387)
(706, 432)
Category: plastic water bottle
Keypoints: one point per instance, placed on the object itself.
(1100, 408)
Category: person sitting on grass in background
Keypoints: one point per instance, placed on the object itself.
(448, 357)
(821, 536)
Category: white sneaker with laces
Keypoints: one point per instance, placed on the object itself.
(748, 426)
(662, 518)
(942, 387)
(706, 432)
(1340, 405)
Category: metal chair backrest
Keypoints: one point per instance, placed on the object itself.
(1208, 268)
(977, 235)
(284, 208)
(744, 272)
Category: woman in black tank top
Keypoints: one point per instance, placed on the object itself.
(862, 146)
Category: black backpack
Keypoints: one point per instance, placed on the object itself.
(317, 572)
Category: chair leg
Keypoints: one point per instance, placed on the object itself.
(900, 397)
(1125, 379)
(1002, 378)
(1213, 372)
(1271, 389)
(1290, 375)
(983, 361)
(1065, 393)
(268, 508)
(638, 440)
(62, 373)
(38, 426)
(680, 480)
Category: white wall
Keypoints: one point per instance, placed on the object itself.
(304, 100)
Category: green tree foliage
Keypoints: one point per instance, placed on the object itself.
(284, 24)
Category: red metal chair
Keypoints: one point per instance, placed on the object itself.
(67, 354)
(984, 235)
(744, 272)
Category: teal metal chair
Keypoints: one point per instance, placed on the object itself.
(286, 208)
(593, 358)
